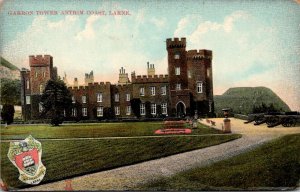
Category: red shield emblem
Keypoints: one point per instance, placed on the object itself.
(26, 156)
(28, 161)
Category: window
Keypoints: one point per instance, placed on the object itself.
(36, 74)
(99, 97)
(41, 88)
(208, 72)
(40, 107)
(44, 74)
(177, 56)
(164, 90)
(83, 99)
(84, 111)
(178, 86)
(117, 98)
(152, 90)
(128, 110)
(117, 110)
(142, 109)
(164, 109)
(27, 84)
(153, 109)
(74, 112)
(73, 99)
(199, 87)
(27, 99)
(189, 74)
(177, 70)
(127, 97)
(99, 111)
(142, 91)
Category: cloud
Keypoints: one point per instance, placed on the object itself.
(160, 23)
(229, 20)
(209, 26)
(88, 32)
(102, 45)
(185, 25)
(69, 19)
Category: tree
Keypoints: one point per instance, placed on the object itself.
(7, 113)
(135, 106)
(10, 91)
(55, 99)
(10, 96)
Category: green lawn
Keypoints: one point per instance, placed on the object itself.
(90, 130)
(65, 159)
(271, 166)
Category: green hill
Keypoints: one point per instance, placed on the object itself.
(242, 100)
(7, 64)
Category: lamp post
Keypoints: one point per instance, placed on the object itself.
(227, 125)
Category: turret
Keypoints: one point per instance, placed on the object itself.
(89, 78)
(150, 69)
(177, 67)
(123, 77)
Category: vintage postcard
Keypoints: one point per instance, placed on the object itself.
(196, 95)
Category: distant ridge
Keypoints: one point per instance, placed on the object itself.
(243, 99)
(8, 70)
(7, 64)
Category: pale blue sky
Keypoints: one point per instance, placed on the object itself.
(254, 43)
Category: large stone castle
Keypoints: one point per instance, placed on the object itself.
(186, 89)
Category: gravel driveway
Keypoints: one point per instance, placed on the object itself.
(128, 177)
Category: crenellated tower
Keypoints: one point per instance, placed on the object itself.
(177, 69)
(34, 82)
(41, 70)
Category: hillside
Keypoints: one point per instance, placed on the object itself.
(7, 64)
(243, 99)
(8, 70)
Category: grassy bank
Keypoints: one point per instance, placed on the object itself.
(90, 130)
(273, 165)
(65, 159)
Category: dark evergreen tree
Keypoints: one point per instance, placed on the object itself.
(135, 106)
(108, 113)
(55, 99)
(148, 109)
(7, 113)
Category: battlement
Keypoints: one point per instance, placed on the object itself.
(150, 79)
(199, 54)
(90, 85)
(176, 43)
(123, 86)
(40, 60)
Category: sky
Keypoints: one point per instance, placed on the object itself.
(254, 43)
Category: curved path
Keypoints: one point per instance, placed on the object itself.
(128, 177)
